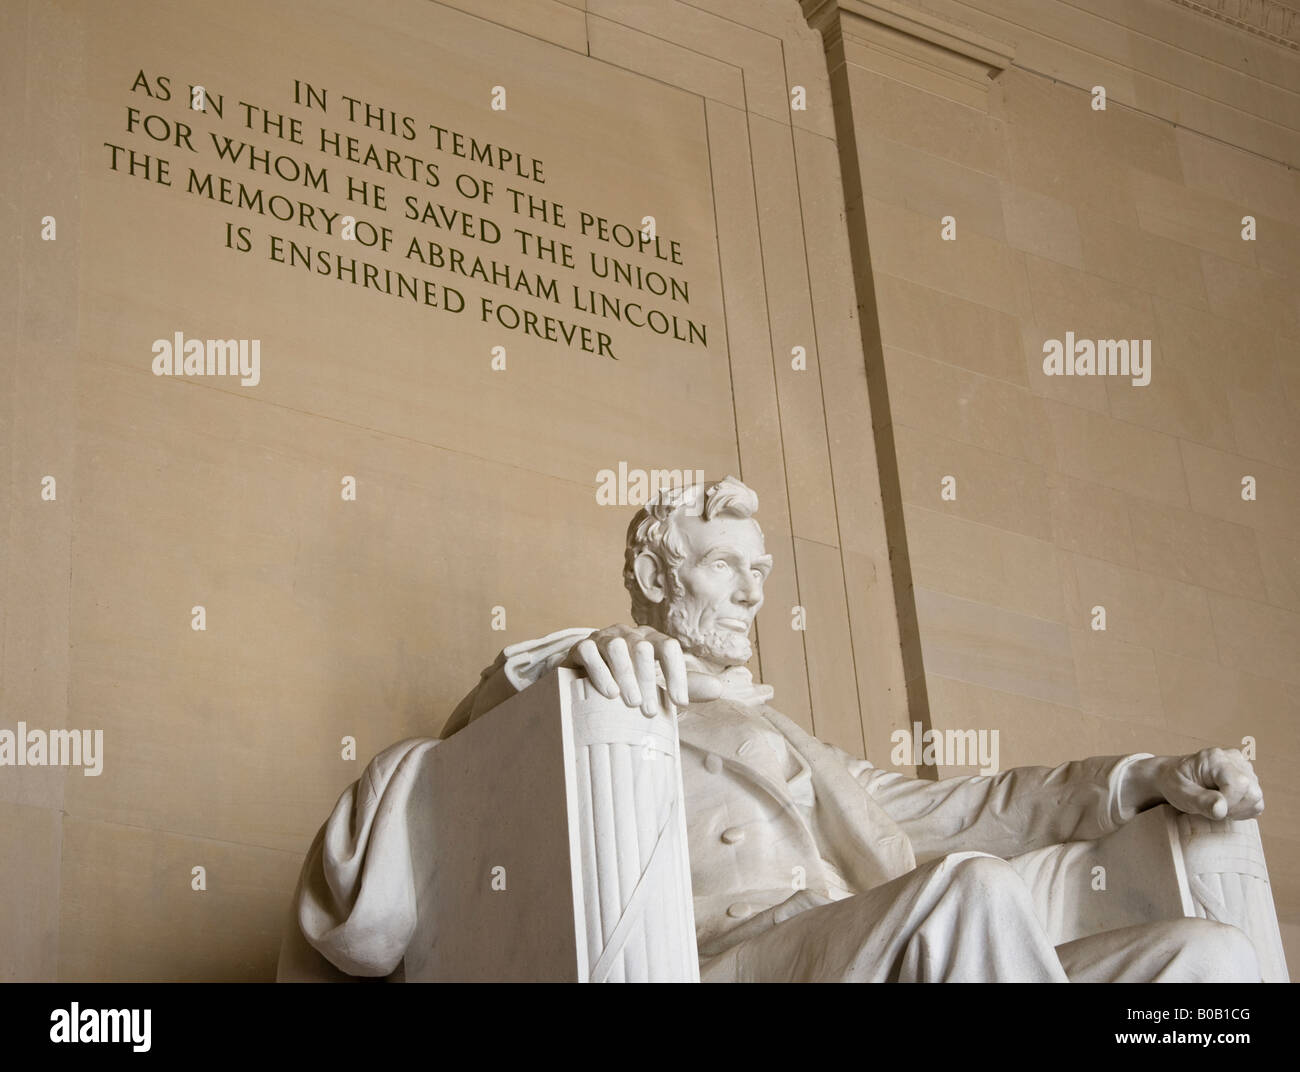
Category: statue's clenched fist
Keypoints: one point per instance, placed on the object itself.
(621, 661)
(1218, 783)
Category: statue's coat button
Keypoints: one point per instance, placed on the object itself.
(740, 910)
(733, 835)
(713, 763)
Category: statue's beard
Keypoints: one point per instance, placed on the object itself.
(726, 647)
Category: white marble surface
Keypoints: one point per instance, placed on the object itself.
(807, 863)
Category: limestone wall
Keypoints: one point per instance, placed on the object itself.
(476, 519)
(1079, 492)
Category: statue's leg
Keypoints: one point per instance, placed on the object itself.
(1175, 951)
(965, 918)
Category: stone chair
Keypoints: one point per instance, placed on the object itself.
(548, 842)
(1162, 865)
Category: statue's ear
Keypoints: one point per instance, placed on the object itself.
(650, 576)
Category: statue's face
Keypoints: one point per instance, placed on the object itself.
(719, 588)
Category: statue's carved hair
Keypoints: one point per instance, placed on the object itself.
(654, 529)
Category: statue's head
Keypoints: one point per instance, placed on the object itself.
(695, 566)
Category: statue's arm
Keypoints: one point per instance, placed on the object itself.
(1032, 807)
(515, 668)
(1007, 813)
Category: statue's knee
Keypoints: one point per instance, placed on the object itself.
(1227, 949)
(989, 876)
(1231, 947)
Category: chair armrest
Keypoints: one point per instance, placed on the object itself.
(1161, 865)
(630, 835)
(1227, 880)
(575, 804)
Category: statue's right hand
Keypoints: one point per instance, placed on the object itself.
(621, 661)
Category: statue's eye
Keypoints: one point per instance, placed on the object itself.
(758, 574)
(720, 565)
